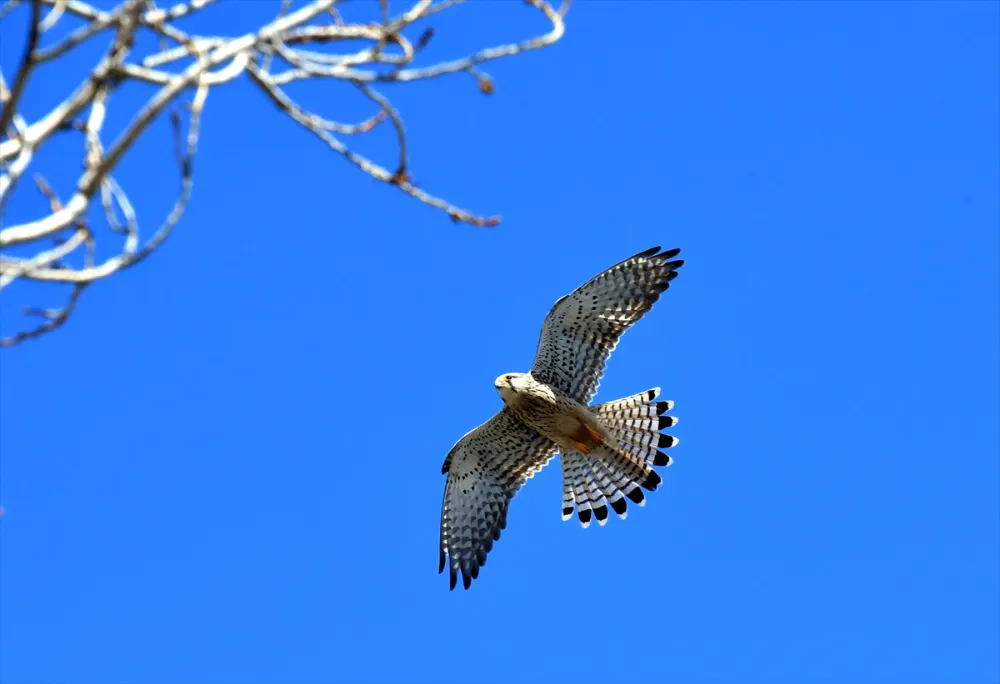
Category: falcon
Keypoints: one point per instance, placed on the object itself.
(607, 451)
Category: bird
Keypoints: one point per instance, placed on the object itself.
(607, 451)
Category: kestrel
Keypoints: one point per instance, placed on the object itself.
(607, 450)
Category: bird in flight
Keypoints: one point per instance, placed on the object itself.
(607, 450)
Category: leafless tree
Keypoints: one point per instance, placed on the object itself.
(60, 247)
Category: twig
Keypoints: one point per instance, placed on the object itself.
(55, 319)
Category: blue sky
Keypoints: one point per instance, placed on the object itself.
(226, 467)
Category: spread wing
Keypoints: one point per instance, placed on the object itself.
(583, 328)
(485, 469)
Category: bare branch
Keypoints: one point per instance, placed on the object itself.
(27, 65)
(299, 44)
(54, 318)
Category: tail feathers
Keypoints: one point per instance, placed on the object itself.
(569, 494)
(616, 473)
(611, 480)
(638, 413)
(599, 503)
(603, 478)
(636, 401)
(635, 422)
(589, 500)
(649, 454)
(574, 482)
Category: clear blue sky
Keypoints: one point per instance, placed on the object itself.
(220, 470)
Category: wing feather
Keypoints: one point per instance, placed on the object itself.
(485, 469)
(583, 328)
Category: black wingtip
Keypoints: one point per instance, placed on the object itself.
(650, 395)
(652, 481)
(567, 512)
(666, 441)
(619, 506)
(671, 253)
(652, 251)
(453, 581)
(584, 515)
(662, 407)
(601, 513)
(665, 422)
(441, 563)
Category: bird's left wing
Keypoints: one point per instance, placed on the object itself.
(583, 328)
(485, 469)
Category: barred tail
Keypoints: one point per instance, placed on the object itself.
(610, 474)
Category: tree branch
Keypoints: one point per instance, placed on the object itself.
(295, 43)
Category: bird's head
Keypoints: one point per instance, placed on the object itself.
(509, 384)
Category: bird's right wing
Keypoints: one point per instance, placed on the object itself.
(485, 469)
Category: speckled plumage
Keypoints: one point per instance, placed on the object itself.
(607, 450)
